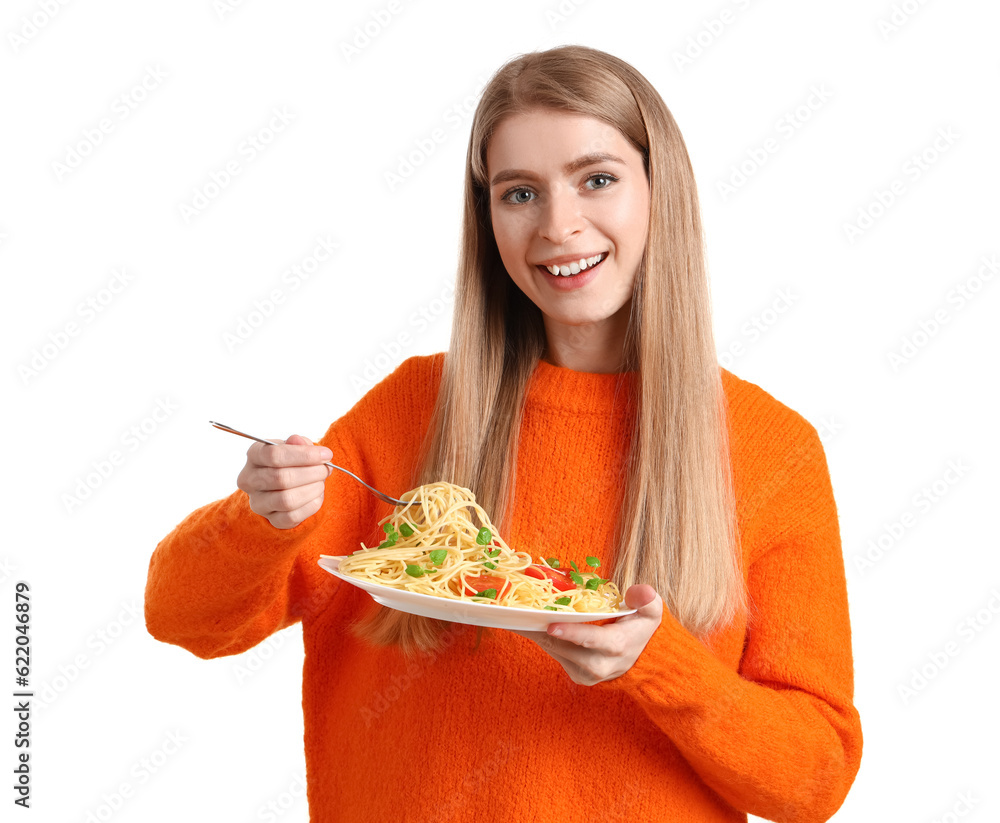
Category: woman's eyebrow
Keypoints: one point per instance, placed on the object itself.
(572, 166)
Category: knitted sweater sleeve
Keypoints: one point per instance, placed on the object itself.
(781, 737)
(225, 579)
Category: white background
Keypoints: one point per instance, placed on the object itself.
(109, 696)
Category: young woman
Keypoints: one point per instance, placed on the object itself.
(581, 400)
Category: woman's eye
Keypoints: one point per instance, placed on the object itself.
(518, 196)
(601, 181)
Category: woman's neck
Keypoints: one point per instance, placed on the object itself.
(594, 347)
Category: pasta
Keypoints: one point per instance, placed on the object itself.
(442, 543)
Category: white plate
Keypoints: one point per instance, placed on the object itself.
(464, 611)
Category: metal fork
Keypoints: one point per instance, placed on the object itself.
(380, 495)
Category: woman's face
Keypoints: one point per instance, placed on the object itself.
(566, 188)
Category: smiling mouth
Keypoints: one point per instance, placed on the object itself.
(577, 266)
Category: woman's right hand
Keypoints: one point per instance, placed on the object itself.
(286, 482)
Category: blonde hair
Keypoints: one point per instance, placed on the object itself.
(677, 530)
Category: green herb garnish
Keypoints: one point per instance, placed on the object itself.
(438, 555)
(414, 571)
(553, 562)
(490, 565)
(391, 536)
(576, 568)
(484, 536)
(562, 601)
(489, 594)
(594, 582)
(576, 577)
(493, 553)
(406, 530)
(593, 562)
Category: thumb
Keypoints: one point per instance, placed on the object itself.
(645, 599)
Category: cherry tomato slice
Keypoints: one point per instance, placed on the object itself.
(560, 580)
(482, 582)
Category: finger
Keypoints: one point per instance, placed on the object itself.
(289, 520)
(297, 451)
(609, 637)
(269, 478)
(641, 596)
(286, 500)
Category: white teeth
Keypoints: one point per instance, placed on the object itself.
(577, 266)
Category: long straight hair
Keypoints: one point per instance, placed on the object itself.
(677, 529)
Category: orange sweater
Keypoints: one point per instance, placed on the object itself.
(759, 720)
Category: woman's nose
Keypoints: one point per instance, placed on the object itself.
(560, 218)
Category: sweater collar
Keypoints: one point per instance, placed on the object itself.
(577, 391)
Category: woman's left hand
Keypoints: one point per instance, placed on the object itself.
(592, 654)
